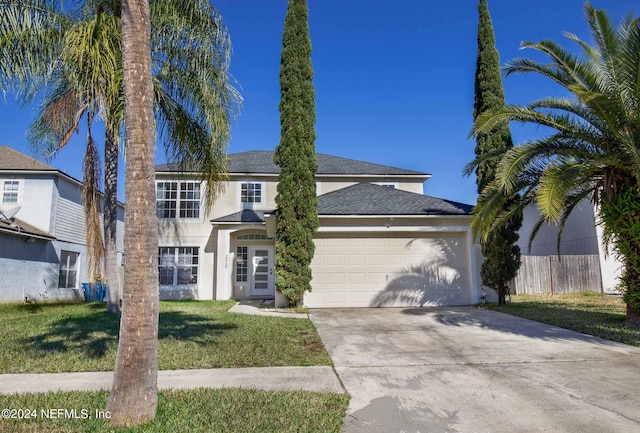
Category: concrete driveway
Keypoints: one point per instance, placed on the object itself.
(471, 370)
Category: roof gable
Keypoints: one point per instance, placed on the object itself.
(11, 159)
(261, 162)
(370, 199)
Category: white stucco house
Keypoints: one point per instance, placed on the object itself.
(381, 241)
(42, 232)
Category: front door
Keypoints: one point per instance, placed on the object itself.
(262, 281)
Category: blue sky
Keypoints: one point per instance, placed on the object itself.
(393, 79)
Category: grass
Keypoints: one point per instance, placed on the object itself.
(83, 337)
(589, 313)
(201, 410)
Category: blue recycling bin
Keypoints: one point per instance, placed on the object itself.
(95, 292)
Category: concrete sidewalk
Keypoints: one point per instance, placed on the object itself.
(316, 378)
(254, 307)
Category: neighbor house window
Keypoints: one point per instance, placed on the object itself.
(178, 199)
(177, 266)
(242, 256)
(68, 276)
(10, 191)
(251, 192)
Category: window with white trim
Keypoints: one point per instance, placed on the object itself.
(252, 237)
(177, 266)
(251, 192)
(10, 191)
(68, 275)
(178, 199)
(242, 264)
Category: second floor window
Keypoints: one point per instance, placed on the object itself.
(10, 191)
(251, 192)
(178, 199)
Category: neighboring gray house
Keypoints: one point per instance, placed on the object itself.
(42, 246)
(583, 263)
(381, 242)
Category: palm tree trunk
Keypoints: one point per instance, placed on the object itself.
(133, 399)
(111, 222)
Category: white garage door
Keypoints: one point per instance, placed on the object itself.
(390, 271)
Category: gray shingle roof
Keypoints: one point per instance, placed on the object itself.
(261, 162)
(244, 216)
(367, 199)
(18, 227)
(370, 199)
(11, 159)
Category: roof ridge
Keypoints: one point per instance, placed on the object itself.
(261, 162)
(17, 160)
(366, 198)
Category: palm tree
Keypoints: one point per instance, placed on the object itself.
(133, 399)
(87, 84)
(593, 150)
(194, 97)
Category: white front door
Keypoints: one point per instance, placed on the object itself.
(262, 278)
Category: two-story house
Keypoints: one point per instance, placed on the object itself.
(42, 231)
(381, 241)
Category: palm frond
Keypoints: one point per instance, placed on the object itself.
(574, 199)
(55, 123)
(566, 69)
(91, 203)
(556, 184)
(25, 24)
(196, 100)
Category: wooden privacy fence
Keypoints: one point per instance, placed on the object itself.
(548, 275)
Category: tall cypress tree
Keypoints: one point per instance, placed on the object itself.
(501, 256)
(297, 214)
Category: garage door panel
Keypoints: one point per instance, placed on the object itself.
(396, 260)
(335, 278)
(377, 279)
(391, 271)
(356, 259)
(356, 278)
(360, 299)
(335, 260)
(376, 243)
(336, 298)
(376, 259)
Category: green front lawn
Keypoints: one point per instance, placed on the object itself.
(589, 313)
(201, 410)
(192, 334)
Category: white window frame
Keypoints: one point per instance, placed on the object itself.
(13, 192)
(242, 264)
(66, 268)
(176, 258)
(392, 185)
(181, 201)
(251, 203)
